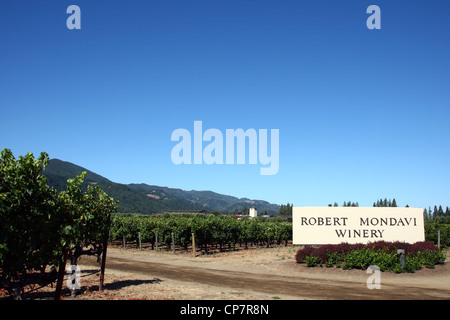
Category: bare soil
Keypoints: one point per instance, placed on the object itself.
(269, 273)
(254, 274)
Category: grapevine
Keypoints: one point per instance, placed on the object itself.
(209, 230)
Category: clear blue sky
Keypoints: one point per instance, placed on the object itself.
(362, 114)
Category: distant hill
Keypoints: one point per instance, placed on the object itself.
(148, 199)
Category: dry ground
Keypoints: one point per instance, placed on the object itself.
(263, 274)
(269, 273)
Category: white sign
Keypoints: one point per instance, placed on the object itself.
(333, 225)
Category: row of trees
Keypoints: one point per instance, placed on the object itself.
(346, 204)
(386, 203)
(437, 214)
(379, 203)
(40, 228)
(286, 210)
(208, 230)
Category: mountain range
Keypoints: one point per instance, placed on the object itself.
(149, 199)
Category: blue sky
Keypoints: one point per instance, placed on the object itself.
(362, 114)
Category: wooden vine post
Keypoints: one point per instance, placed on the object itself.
(173, 244)
(193, 245)
(104, 250)
(140, 243)
(103, 265)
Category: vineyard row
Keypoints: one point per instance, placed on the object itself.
(207, 230)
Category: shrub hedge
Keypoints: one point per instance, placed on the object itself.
(381, 253)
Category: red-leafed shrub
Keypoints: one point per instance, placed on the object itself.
(303, 253)
(423, 246)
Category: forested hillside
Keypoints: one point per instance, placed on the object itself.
(148, 199)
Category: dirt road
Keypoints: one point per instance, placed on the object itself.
(272, 272)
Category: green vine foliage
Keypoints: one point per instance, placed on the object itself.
(38, 224)
(88, 217)
(207, 229)
(31, 216)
